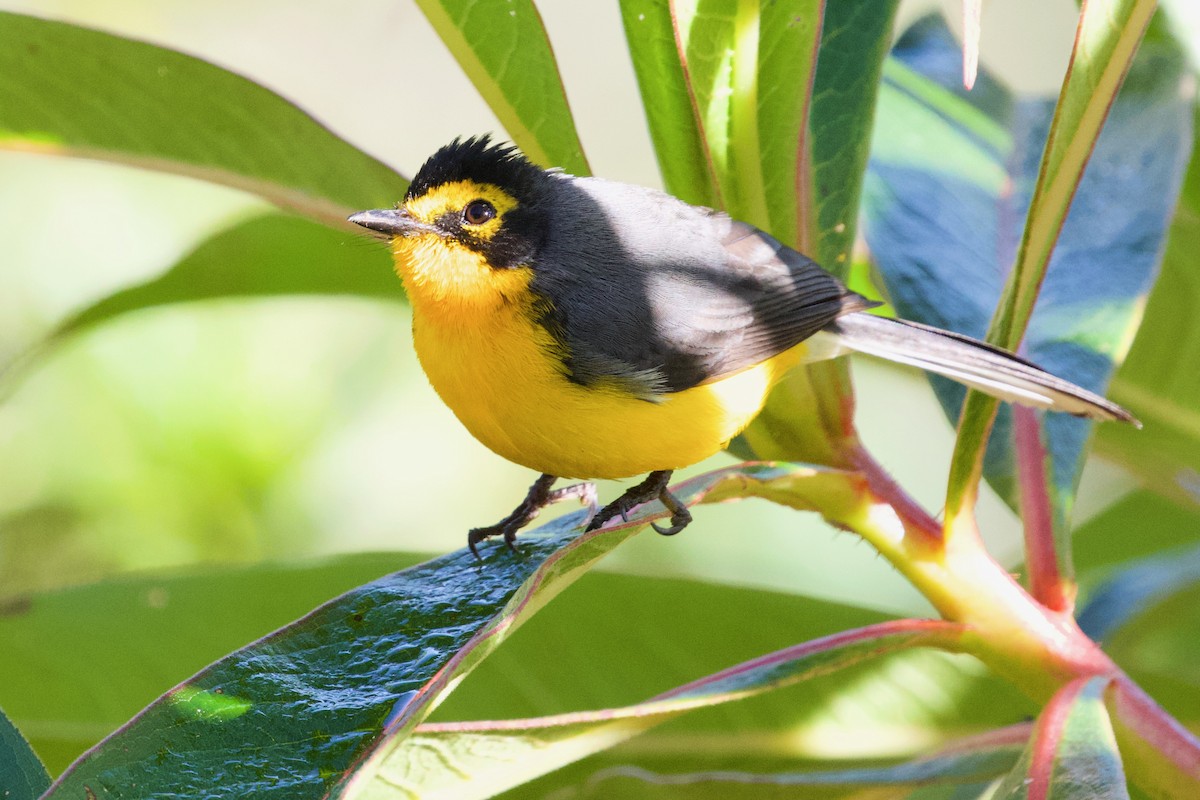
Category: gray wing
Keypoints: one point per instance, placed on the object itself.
(651, 295)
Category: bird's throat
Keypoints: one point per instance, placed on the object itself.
(452, 284)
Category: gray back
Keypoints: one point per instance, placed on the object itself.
(653, 295)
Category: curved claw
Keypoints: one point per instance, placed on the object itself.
(673, 529)
(474, 537)
(680, 516)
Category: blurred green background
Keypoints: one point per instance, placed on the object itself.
(289, 429)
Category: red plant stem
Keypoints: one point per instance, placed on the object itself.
(1047, 735)
(1047, 583)
(1037, 648)
(1166, 755)
(884, 486)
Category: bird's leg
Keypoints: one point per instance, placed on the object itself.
(653, 488)
(540, 495)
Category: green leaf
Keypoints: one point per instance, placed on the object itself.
(964, 769)
(1138, 570)
(951, 177)
(477, 760)
(314, 700)
(168, 627)
(1162, 756)
(749, 68)
(615, 638)
(1155, 640)
(305, 704)
(717, 57)
(1073, 753)
(1156, 381)
(68, 90)
(266, 256)
(789, 35)
(666, 98)
(854, 43)
(22, 775)
(809, 415)
(1135, 590)
(503, 49)
(1106, 40)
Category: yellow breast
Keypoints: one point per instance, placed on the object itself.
(500, 373)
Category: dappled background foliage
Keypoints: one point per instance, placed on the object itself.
(213, 421)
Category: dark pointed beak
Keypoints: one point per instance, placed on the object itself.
(390, 221)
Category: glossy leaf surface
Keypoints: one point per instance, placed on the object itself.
(169, 627)
(303, 705)
(307, 704)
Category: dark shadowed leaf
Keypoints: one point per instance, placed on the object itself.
(1157, 380)
(503, 49)
(948, 188)
(22, 776)
(854, 43)
(68, 90)
(306, 703)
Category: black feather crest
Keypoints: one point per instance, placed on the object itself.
(478, 159)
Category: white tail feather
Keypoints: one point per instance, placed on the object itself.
(971, 362)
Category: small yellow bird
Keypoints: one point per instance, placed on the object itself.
(591, 329)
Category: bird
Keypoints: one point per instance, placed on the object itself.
(590, 329)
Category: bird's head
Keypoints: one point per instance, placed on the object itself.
(468, 231)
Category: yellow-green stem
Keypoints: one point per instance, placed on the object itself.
(1037, 649)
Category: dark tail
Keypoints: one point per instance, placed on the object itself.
(974, 363)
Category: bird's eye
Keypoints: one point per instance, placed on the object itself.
(478, 212)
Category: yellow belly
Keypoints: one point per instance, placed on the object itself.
(500, 379)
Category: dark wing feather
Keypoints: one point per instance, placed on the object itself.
(683, 296)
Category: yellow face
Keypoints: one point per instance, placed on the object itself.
(446, 271)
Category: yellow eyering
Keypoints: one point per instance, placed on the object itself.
(455, 196)
(476, 333)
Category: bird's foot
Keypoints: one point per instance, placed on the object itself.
(540, 495)
(654, 487)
